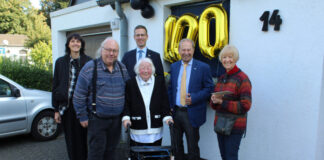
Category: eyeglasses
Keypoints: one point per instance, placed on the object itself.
(109, 50)
(140, 35)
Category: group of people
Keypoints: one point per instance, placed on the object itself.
(93, 99)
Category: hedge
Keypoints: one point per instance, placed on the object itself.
(27, 75)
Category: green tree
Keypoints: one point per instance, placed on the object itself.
(19, 17)
(41, 55)
(13, 16)
(48, 6)
(37, 29)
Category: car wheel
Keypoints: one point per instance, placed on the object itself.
(44, 126)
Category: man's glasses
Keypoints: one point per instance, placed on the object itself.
(140, 35)
(109, 50)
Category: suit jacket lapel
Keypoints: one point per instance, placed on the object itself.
(133, 58)
(192, 74)
(138, 92)
(177, 71)
(154, 91)
(148, 54)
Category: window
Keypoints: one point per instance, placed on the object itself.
(5, 90)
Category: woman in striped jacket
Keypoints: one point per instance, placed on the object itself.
(234, 103)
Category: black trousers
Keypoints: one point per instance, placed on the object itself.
(182, 125)
(75, 135)
(103, 137)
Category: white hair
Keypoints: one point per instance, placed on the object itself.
(148, 60)
(99, 50)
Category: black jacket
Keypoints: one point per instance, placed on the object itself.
(129, 60)
(135, 108)
(60, 86)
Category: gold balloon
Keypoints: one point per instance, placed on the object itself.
(221, 30)
(168, 28)
(186, 20)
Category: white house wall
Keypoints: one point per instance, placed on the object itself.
(285, 67)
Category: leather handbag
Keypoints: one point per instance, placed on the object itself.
(225, 123)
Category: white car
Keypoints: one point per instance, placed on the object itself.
(24, 111)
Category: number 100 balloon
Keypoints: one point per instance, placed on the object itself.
(174, 30)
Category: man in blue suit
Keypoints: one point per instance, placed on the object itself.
(190, 87)
(131, 57)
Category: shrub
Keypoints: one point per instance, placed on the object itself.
(41, 55)
(27, 75)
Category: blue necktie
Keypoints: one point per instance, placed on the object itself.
(140, 52)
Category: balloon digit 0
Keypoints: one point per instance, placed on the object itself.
(221, 37)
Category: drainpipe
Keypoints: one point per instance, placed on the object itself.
(123, 28)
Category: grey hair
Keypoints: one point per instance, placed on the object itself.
(187, 40)
(229, 49)
(99, 50)
(148, 60)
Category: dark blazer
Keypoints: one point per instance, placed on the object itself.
(200, 88)
(135, 108)
(60, 86)
(129, 61)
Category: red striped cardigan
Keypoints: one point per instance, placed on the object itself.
(237, 103)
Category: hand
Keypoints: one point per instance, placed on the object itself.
(84, 124)
(217, 99)
(127, 123)
(169, 121)
(57, 117)
(188, 99)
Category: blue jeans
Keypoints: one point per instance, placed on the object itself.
(103, 137)
(229, 145)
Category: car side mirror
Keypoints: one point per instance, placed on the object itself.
(16, 92)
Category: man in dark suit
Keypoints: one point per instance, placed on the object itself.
(131, 57)
(190, 86)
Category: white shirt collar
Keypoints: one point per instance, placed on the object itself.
(144, 49)
(190, 62)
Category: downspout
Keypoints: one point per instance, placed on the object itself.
(123, 28)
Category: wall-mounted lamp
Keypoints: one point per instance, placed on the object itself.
(147, 10)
